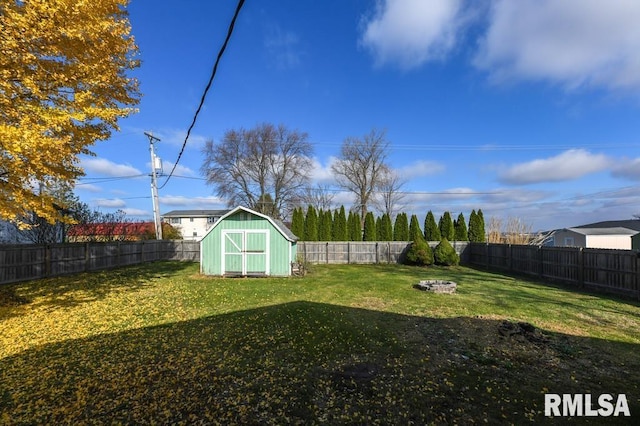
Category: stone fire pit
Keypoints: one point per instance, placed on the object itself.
(437, 286)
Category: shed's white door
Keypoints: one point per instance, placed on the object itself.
(245, 252)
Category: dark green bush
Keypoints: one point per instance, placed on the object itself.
(445, 254)
(419, 253)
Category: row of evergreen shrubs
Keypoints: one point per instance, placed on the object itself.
(421, 254)
(338, 226)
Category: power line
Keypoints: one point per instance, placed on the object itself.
(106, 179)
(204, 95)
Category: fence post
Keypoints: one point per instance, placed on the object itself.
(348, 252)
(388, 253)
(581, 267)
(510, 257)
(540, 262)
(637, 276)
(87, 256)
(326, 252)
(47, 260)
(486, 256)
(377, 254)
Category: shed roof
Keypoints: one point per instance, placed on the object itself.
(286, 232)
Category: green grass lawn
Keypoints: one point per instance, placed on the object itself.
(159, 343)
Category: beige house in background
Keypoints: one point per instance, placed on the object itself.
(612, 234)
(193, 224)
(607, 238)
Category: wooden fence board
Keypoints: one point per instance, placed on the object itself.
(362, 252)
(614, 271)
(23, 262)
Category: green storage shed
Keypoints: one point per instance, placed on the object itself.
(244, 242)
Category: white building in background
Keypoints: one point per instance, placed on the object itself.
(193, 224)
(613, 234)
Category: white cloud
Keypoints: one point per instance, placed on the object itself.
(322, 173)
(112, 203)
(568, 165)
(176, 137)
(627, 168)
(180, 170)
(503, 197)
(420, 168)
(131, 212)
(411, 32)
(87, 187)
(283, 48)
(573, 42)
(102, 166)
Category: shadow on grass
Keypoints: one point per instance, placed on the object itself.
(305, 362)
(73, 290)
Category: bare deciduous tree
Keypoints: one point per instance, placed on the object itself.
(264, 163)
(362, 166)
(319, 196)
(516, 231)
(494, 230)
(390, 196)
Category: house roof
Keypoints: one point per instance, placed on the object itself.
(618, 230)
(629, 224)
(116, 228)
(286, 232)
(195, 213)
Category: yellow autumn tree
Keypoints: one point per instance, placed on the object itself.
(63, 86)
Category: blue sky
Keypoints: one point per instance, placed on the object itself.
(524, 108)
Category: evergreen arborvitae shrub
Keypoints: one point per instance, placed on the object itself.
(379, 228)
(401, 228)
(481, 227)
(419, 253)
(355, 227)
(324, 230)
(297, 223)
(386, 230)
(370, 233)
(311, 225)
(415, 233)
(328, 223)
(431, 231)
(339, 229)
(446, 226)
(474, 228)
(445, 254)
(320, 224)
(460, 229)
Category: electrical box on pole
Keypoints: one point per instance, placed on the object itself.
(156, 167)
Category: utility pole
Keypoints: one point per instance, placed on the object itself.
(154, 185)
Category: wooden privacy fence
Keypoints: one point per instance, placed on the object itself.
(615, 271)
(360, 251)
(28, 262)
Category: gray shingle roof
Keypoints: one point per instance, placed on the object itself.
(285, 230)
(616, 230)
(195, 213)
(629, 224)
